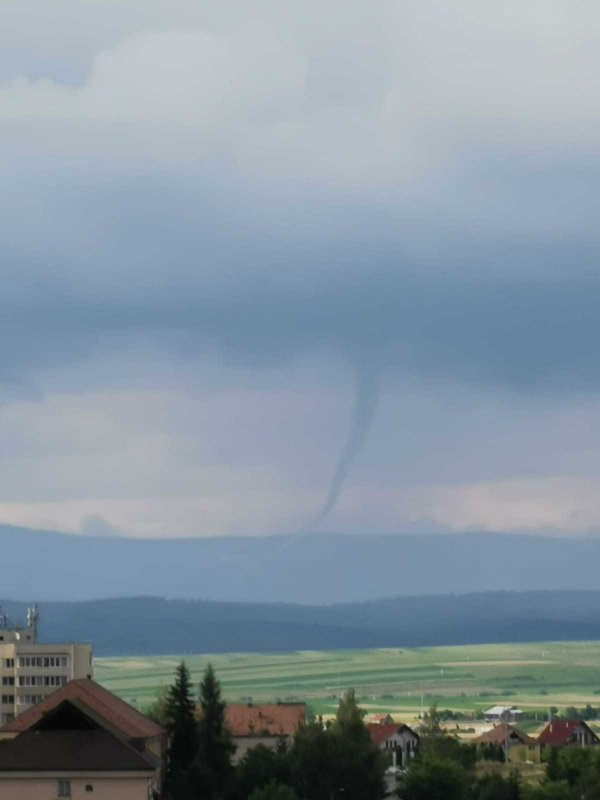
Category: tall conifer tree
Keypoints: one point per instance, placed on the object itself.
(215, 745)
(183, 730)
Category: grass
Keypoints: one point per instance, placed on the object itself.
(532, 676)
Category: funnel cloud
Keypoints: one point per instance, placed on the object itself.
(365, 405)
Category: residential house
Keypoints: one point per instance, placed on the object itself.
(498, 714)
(69, 752)
(568, 732)
(109, 711)
(251, 725)
(397, 739)
(516, 745)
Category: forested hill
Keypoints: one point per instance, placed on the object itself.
(146, 625)
(315, 568)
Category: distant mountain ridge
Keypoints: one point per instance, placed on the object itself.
(312, 569)
(153, 626)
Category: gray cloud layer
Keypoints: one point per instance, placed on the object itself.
(411, 183)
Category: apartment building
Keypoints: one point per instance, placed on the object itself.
(29, 670)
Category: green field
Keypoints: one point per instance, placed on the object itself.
(532, 676)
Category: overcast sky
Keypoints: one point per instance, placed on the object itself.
(242, 240)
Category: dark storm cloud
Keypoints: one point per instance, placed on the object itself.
(527, 334)
(270, 189)
(278, 189)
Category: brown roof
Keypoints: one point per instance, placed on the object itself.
(111, 708)
(65, 750)
(497, 735)
(279, 719)
(560, 731)
(379, 733)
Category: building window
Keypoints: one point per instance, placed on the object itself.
(33, 680)
(29, 699)
(64, 789)
(89, 787)
(8, 699)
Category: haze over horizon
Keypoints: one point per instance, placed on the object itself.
(315, 568)
(270, 267)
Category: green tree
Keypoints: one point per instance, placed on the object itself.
(313, 763)
(588, 787)
(431, 723)
(274, 791)
(213, 771)
(438, 744)
(180, 722)
(496, 787)
(549, 791)
(261, 765)
(359, 766)
(349, 718)
(552, 765)
(435, 779)
(338, 763)
(574, 763)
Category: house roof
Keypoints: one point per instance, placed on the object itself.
(560, 730)
(111, 708)
(498, 734)
(278, 719)
(379, 733)
(498, 711)
(70, 750)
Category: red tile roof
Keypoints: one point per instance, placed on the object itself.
(279, 719)
(559, 731)
(379, 733)
(115, 711)
(497, 735)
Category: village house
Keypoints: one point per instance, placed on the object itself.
(516, 745)
(400, 741)
(251, 725)
(70, 752)
(568, 732)
(109, 713)
(498, 714)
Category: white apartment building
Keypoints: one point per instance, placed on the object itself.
(29, 670)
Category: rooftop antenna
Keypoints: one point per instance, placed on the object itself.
(33, 616)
